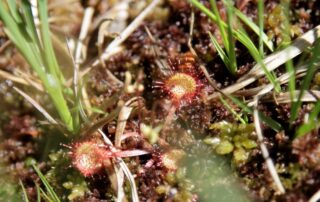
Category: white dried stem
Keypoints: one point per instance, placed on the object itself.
(307, 96)
(264, 150)
(315, 197)
(9, 76)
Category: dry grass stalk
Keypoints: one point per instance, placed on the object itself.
(264, 150)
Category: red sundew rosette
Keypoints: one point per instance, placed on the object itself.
(88, 158)
(182, 87)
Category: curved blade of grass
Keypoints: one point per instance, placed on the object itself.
(45, 196)
(244, 39)
(24, 193)
(29, 22)
(14, 11)
(38, 193)
(224, 102)
(15, 34)
(255, 29)
(220, 51)
(312, 124)
(37, 106)
(55, 77)
(213, 17)
(25, 46)
(220, 25)
(306, 128)
(48, 187)
(267, 120)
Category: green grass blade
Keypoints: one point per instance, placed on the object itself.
(267, 120)
(220, 24)
(50, 57)
(292, 79)
(306, 128)
(213, 17)
(307, 79)
(231, 50)
(255, 29)
(29, 22)
(220, 51)
(55, 77)
(261, 22)
(224, 102)
(244, 39)
(26, 47)
(38, 193)
(16, 35)
(14, 11)
(24, 193)
(48, 187)
(46, 196)
(312, 124)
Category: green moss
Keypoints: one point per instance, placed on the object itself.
(225, 147)
(232, 138)
(240, 155)
(249, 144)
(73, 184)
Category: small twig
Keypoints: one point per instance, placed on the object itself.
(9, 76)
(127, 31)
(264, 150)
(30, 79)
(37, 106)
(112, 13)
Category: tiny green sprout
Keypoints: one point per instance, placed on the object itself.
(152, 134)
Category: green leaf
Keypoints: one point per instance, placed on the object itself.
(313, 66)
(220, 51)
(14, 11)
(48, 187)
(213, 17)
(25, 195)
(231, 50)
(238, 116)
(255, 29)
(244, 39)
(220, 24)
(267, 120)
